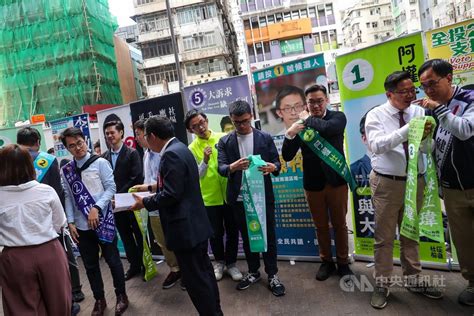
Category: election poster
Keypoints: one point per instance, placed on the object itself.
(295, 230)
(213, 98)
(80, 121)
(361, 76)
(118, 113)
(455, 43)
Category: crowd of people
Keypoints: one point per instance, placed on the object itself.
(199, 198)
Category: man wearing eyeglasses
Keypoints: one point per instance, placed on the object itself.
(233, 150)
(96, 176)
(325, 190)
(386, 128)
(213, 190)
(289, 103)
(453, 109)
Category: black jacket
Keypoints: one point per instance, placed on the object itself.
(128, 169)
(316, 173)
(178, 199)
(228, 152)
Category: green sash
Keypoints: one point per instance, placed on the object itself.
(327, 153)
(253, 195)
(429, 221)
(142, 219)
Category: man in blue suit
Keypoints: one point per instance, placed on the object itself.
(183, 215)
(233, 150)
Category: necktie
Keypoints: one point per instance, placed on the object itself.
(402, 122)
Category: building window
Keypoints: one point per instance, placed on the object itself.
(199, 40)
(140, 2)
(368, 25)
(153, 23)
(263, 21)
(246, 25)
(374, 24)
(196, 13)
(304, 13)
(286, 16)
(157, 49)
(412, 14)
(387, 22)
(279, 17)
(271, 19)
(205, 66)
(295, 15)
(156, 75)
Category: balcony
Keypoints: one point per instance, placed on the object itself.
(158, 61)
(154, 35)
(203, 53)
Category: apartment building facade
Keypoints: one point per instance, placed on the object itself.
(280, 30)
(367, 23)
(205, 42)
(439, 13)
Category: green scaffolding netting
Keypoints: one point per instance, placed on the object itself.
(55, 57)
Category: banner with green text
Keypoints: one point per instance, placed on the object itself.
(361, 75)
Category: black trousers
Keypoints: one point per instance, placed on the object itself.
(253, 258)
(89, 249)
(73, 267)
(223, 221)
(199, 279)
(132, 238)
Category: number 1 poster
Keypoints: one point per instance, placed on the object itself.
(361, 76)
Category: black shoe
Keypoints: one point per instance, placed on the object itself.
(131, 274)
(181, 284)
(75, 309)
(171, 279)
(248, 280)
(78, 296)
(275, 285)
(325, 270)
(343, 270)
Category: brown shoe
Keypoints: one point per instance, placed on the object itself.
(99, 307)
(122, 304)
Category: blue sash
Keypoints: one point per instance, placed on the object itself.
(84, 201)
(42, 164)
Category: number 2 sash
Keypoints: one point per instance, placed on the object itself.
(327, 153)
(84, 201)
(42, 164)
(253, 195)
(429, 221)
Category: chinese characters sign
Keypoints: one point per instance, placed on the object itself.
(455, 43)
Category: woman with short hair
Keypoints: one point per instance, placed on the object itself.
(34, 273)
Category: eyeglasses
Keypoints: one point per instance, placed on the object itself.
(430, 84)
(319, 102)
(79, 144)
(297, 108)
(199, 124)
(406, 92)
(242, 123)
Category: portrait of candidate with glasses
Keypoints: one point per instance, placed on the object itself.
(289, 103)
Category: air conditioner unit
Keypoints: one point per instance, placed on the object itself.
(195, 35)
(200, 34)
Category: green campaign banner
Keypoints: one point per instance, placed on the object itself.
(361, 75)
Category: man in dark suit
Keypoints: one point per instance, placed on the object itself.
(233, 150)
(128, 171)
(183, 215)
(325, 189)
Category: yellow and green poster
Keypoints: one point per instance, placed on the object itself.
(455, 43)
(361, 75)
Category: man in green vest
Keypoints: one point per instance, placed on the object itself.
(213, 190)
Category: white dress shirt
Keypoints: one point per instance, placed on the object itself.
(385, 138)
(30, 214)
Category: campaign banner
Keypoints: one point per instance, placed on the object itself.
(361, 76)
(295, 229)
(8, 135)
(213, 98)
(170, 106)
(269, 82)
(455, 43)
(80, 121)
(118, 113)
